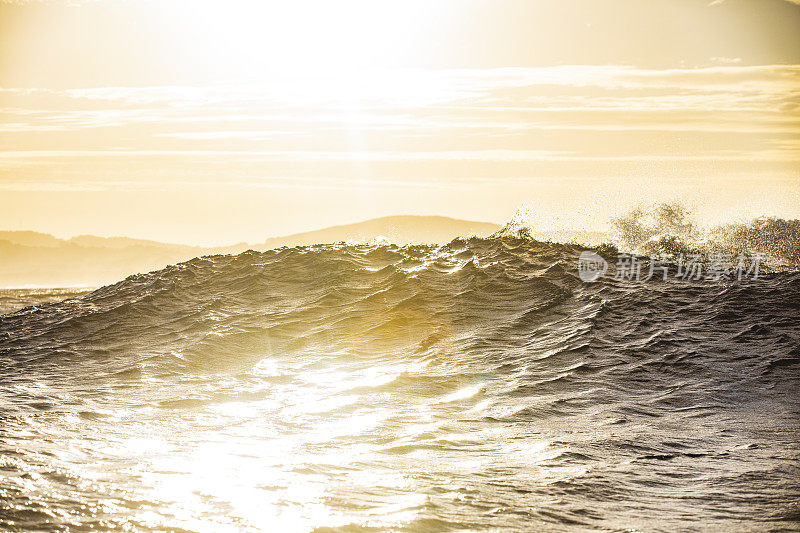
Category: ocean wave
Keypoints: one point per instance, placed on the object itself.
(484, 372)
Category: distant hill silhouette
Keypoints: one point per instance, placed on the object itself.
(29, 258)
(30, 238)
(400, 229)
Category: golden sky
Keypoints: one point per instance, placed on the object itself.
(216, 122)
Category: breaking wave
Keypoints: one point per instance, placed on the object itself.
(668, 229)
(354, 387)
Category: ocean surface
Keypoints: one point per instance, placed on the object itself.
(480, 385)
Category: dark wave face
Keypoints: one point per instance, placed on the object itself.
(473, 386)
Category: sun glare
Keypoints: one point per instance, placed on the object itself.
(399, 265)
(256, 38)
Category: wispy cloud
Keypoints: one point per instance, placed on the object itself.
(438, 123)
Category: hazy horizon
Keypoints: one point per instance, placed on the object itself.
(602, 334)
(266, 237)
(208, 123)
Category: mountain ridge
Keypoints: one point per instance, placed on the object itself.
(32, 258)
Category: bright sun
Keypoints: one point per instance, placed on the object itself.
(252, 38)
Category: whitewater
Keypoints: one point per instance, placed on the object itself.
(479, 385)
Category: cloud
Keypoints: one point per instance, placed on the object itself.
(435, 123)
